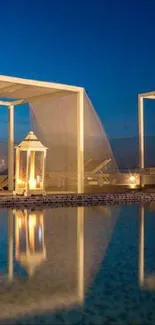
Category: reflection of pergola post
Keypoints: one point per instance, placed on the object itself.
(10, 245)
(80, 252)
(11, 148)
(80, 141)
(141, 137)
(141, 246)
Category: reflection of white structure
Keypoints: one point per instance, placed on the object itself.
(30, 248)
(10, 244)
(141, 246)
(30, 165)
(80, 252)
(76, 241)
(145, 280)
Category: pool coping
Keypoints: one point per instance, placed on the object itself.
(54, 200)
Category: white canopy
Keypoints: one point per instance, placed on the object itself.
(25, 90)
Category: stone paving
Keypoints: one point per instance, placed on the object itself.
(76, 199)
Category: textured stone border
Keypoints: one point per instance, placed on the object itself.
(56, 200)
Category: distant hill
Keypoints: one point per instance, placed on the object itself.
(125, 151)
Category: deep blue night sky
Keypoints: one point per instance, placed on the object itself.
(106, 46)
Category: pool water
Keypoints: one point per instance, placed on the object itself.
(92, 265)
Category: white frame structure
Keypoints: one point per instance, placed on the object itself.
(14, 88)
(141, 97)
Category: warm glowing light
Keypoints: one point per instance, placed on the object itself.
(19, 223)
(132, 181)
(20, 181)
(38, 179)
(32, 183)
(32, 221)
(30, 250)
(132, 178)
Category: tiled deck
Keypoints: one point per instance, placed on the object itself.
(75, 199)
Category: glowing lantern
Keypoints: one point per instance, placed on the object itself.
(30, 248)
(132, 180)
(30, 165)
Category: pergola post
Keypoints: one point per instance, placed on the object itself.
(80, 141)
(11, 148)
(17, 166)
(43, 175)
(141, 246)
(141, 138)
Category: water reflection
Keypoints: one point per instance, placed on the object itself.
(30, 248)
(141, 246)
(146, 279)
(53, 256)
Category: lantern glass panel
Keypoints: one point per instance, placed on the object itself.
(22, 168)
(36, 170)
(39, 163)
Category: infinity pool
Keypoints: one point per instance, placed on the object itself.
(92, 265)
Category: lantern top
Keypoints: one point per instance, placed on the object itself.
(31, 142)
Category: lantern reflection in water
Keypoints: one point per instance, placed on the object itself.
(30, 249)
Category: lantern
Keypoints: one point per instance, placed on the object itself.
(30, 248)
(30, 165)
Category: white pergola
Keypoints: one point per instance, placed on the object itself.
(141, 97)
(18, 91)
